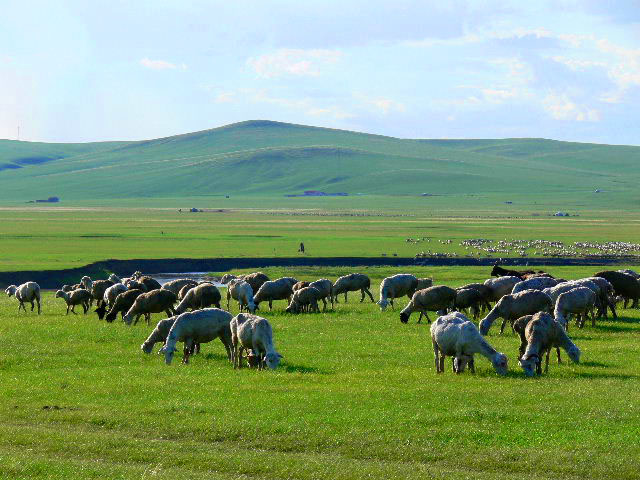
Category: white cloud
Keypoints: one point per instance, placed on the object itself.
(561, 107)
(333, 112)
(161, 65)
(225, 97)
(385, 105)
(296, 62)
(577, 64)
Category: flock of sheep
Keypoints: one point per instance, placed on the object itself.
(537, 305)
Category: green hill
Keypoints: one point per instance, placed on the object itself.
(273, 159)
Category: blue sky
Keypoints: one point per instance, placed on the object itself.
(101, 70)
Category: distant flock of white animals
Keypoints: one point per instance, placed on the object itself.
(537, 305)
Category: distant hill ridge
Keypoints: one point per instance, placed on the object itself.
(261, 157)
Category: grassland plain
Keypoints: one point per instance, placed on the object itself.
(356, 397)
(41, 238)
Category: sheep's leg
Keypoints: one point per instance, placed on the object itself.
(441, 364)
(558, 353)
(504, 322)
(472, 365)
(324, 301)
(420, 317)
(546, 361)
(85, 307)
(73, 309)
(370, 296)
(270, 305)
(187, 350)
(436, 354)
(32, 305)
(345, 297)
(391, 303)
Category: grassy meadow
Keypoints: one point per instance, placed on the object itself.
(356, 396)
(38, 238)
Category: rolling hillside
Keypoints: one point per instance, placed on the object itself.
(273, 159)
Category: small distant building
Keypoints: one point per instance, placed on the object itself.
(561, 214)
(598, 190)
(508, 202)
(194, 210)
(49, 200)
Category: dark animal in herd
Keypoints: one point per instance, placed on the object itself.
(498, 271)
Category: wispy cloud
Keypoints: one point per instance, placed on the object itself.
(561, 107)
(296, 62)
(161, 65)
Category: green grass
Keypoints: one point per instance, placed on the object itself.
(356, 397)
(34, 238)
(261, 158)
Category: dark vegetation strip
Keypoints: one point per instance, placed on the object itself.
(56, 278)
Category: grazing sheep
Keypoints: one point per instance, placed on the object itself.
(75, 297)
(97, 289)
(468, 298)
(176, 286)
(114, 278)
(151, 283)
(256, 280)
(512, 307)
(498, 271)
(111, 293)
(200, 326)
(424, 283)
(536, 283)
(202, 296)
(184, 290)
(123, 303)
(323, 285)
(27, 292)
(397, 286)
(133, 284)
(542, 333)
(438, 298)
(352, 283)
(300, 285)
(520, 326)
(624, 285)
(155, 301)
(501, 286)
(255, 333)
(159, 334)
(605, 295)
(280, 289)
(242, 292)
(226, 278)
(580, 301)
(303, 299)
(456, 336)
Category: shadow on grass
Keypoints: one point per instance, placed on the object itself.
(613, 328)
(616, 376)
(289, 368)
(595, 364)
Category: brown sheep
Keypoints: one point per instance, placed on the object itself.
(155, 301)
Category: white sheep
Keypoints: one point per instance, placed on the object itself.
(27, 292)
(111, 293)
(176, 285)
(513, 306)
(323, 286)
(280, 289)
(438, 298)
(541, 334)
(580, 301)
(535, 283)
(202, 296)
(396, 286)
(114, 278)
(75, 297)
(242, 292)
(352, 283)
(199, 326)
(501, 286)
(255, 333)
(303, 299)
(456, 336)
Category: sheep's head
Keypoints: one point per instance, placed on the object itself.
(485, 325)
(253, 360)
(404, 317)
(499, 362)
(60, 294)
(292, 308)
(146, 347)
(11, 290)
(168, 355)
(383, 304)
(127, 318)
(574, 353)
(252, 307)
(272, 360)
(101, 311)
(529, 364)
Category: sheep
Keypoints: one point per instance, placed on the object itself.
(624, 284)
(280, 289)
(114, 278)
(242, 292)
(455, 335)
(323, 286)
(300, 285)
(512, 307)
(159, 334)
(351, 283)
(581, 301)
(536, 283)
(86, 282)
(202, 296)
(396, 286)
(519, 326)
(132, 284)
(176, 286)
(226, 278)
(485, 293)
(468, 298)
(71, 288)
(501, 286)
(97, 289)
(256, 280)
(184, 290)
(255, 333)
(303, 298)
(633, 273)
(155, 301)
(498, 271)
(27, 292)
(150, 283)
(123, 303)
(110, 295)
(200, 326)
(424, 283)
(606, 292)
(75, 297)
(432, 299)
(543, 333)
